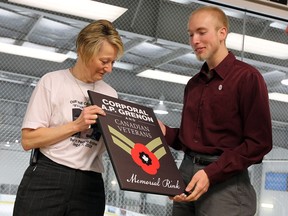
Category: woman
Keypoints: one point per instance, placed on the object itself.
(66, 179)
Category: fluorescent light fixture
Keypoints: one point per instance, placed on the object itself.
(278, 97)
(160, 108)
(33, 83)
(182, 1)
(284, 82)
(32, 52)
(273, 77)
(267, 205)
(123, 65)
(257, 46)
(11, 80)
(164, 76)
(278, 25)
(81, 8)
(72, 55)
(234, 13)
(113, 182)
(7, 40)
(7, 144)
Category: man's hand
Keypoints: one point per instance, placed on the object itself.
(198, 185)
(162, 126)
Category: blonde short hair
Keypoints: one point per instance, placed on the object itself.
(222, 19)
(91, 37)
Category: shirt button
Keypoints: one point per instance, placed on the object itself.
(196, 141)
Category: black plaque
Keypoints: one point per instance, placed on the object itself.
(140, 156)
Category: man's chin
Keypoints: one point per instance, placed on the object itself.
(200, 58)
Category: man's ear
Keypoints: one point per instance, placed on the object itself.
(222, 33)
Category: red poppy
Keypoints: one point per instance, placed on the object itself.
(145, 159)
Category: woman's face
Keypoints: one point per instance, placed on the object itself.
(102, 63)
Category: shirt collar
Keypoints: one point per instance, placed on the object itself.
(223, 68)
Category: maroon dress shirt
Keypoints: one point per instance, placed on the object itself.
(228, 116)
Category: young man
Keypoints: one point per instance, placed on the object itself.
(225, 127)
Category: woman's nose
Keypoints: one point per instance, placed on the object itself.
(108, 67)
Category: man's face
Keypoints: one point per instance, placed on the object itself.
(204, 37)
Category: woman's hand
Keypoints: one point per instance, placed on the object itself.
(88, 116)
(41, 137)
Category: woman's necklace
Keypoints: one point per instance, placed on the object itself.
(87, 100)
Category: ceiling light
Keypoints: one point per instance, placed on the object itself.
(267, 205)
(182, 1)
(278, 25)
(278, 97)
(234, 13)
(11, 80)
(164, 76)
(160, 108)
(32, 52)
(81, 8)
(34, 83)
(113, 182)
(123, 65)
(284, 82)
(72, 55)
(227, 12)
(257, 46)
(273, 77)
